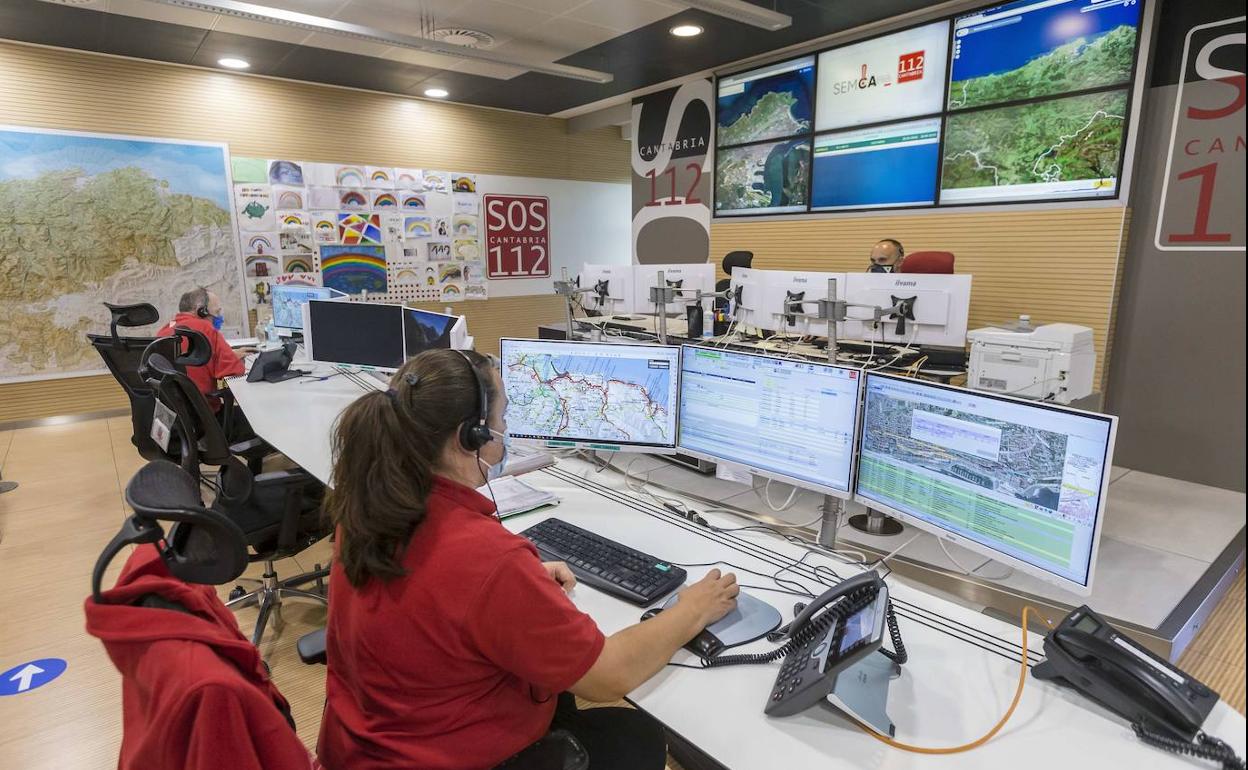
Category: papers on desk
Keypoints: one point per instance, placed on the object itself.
(514, 497)
(526, 460)
(244, 342)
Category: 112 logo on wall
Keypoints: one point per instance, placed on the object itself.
(910, 66)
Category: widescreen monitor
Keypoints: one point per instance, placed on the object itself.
(426, 330)
(288, 302)
(900, 75)
(771, 102)
(765, 178)
(610, 289)
(685, 279)
(880, 167)
(597, 395)
(784, 419)
(368, 335)
(938, 308)
(1021, 482)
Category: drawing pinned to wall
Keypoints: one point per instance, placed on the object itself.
(474, 272)
(297, 264)
(413, 202)
(391, 227)
(431, 276)
(417, 227)
(325, 228)
(265, 243)
(298, 279)
(353, 269)
(259, 293)
(452, 292)
(249, 170)
(286, 198)
(261, 265)
(351, 199)
(476, 291)
(380, 178)
(467, 204)
(465, 250)
(464, 183)
(408, 179)
(286, 172)
(319, 174)
(464, 226)
(436, 181)
(407, 277)
(254, 205)
(451, 272)
(350, 176)
(442, 227)
(385, 200)
(295, 220)
(323, 198)
(296, 241)
(439, 250)
(356, 229)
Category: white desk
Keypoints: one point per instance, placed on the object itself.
(963, 665)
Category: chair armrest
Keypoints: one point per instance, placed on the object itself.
(251, 446)
(285, 477)
(311, 647)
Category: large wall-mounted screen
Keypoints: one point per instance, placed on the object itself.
(1036, 48)
(901, 75)
(1027, 101)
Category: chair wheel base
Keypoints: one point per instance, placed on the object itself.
(237, 593)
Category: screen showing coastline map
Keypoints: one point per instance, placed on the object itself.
(602, 395)
(1003, 476)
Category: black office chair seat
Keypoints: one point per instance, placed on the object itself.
(255, 516)
(162, 486)
(311, 647)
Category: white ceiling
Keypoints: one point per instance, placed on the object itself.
(528, 30)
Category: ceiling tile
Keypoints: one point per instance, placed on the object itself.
(345, 44)
(263, 55)
(157, 12)
(552, 7)
(489, 70)
(501, 20)
(621, 16)
(409, 56)
(566, 36)
(233, 26)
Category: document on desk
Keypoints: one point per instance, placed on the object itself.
(526, 460)
(514, 497)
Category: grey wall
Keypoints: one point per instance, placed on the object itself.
(1178, 367)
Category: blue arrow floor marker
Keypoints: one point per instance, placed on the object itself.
(25, 677)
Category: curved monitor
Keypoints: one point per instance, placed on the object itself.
(1021, 482)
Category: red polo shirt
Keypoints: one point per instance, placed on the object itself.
(224, 362)
(458, 663)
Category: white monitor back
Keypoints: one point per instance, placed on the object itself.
(782, 287)
(941, 306)
(750, 281)
(691, 277)
(617, 280)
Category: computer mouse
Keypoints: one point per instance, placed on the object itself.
(651, 613)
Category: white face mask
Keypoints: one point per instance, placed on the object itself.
(494, 471)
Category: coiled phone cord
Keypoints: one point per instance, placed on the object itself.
(898, 654)
(1205, 747)
(812, 630)
(1018, 694)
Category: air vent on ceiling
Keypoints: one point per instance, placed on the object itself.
(468, 38)
(73, 2)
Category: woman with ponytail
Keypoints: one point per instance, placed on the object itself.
(450, 644)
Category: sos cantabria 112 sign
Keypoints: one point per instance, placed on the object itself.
(517, 236)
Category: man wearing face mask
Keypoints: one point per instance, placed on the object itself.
(200, 310)
(886, 256)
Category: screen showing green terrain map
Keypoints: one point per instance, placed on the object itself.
(769, 178)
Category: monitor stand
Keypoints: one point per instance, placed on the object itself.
(861, 691)
(875, 523)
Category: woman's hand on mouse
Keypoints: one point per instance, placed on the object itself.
(715, 595)
(560, 573)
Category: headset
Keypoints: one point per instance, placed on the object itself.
(202, 310)
(475, 433)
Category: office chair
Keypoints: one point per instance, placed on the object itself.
(731, 260)
(189, 637)
(928, 262)
(278, 512)
(122, 356)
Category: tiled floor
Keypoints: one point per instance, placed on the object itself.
(69, 504)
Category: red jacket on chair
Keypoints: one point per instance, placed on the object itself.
(195, 694)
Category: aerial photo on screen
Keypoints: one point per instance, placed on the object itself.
(762, 177)
(1070, 144)
(1031, 49)
(772, 104)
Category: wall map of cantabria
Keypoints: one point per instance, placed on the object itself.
(86, 219)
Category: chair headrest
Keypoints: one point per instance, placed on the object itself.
(207, 549)
(939, 262)
(735, 259)
(195, 350)
(138, 314)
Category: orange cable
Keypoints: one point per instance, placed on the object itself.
(1018, 694)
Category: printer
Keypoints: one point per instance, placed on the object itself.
(1049, 362)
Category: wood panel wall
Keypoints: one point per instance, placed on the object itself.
(259, 117)
(1055, 265)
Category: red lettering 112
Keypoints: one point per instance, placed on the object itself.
(672, 199)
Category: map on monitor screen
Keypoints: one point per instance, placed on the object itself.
(584, 392)
(768, 178)
(769, 103)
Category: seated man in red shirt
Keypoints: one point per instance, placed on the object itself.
(450, 645)
(200, 310)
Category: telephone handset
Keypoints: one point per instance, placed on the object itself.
(839, 628)
(1165, 706)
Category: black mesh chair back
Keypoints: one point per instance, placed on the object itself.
(200, 438)
(122, 356)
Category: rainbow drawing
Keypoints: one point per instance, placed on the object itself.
(379, 175)
(293, 219)
(407, 178)
(260, 265)
(325, 224)
(260, 244)
(353, 269)
(417, 227)
(406, 276)
(414, 202)
(298, 265)
(290, 199)
(356, 229)
(352, 199)
(349, 176)
(450, 291)
(385, 200)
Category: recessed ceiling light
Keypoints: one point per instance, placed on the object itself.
(686, 30)
(437, 93)
(234, 63)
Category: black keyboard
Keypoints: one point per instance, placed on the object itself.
(605, 564)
